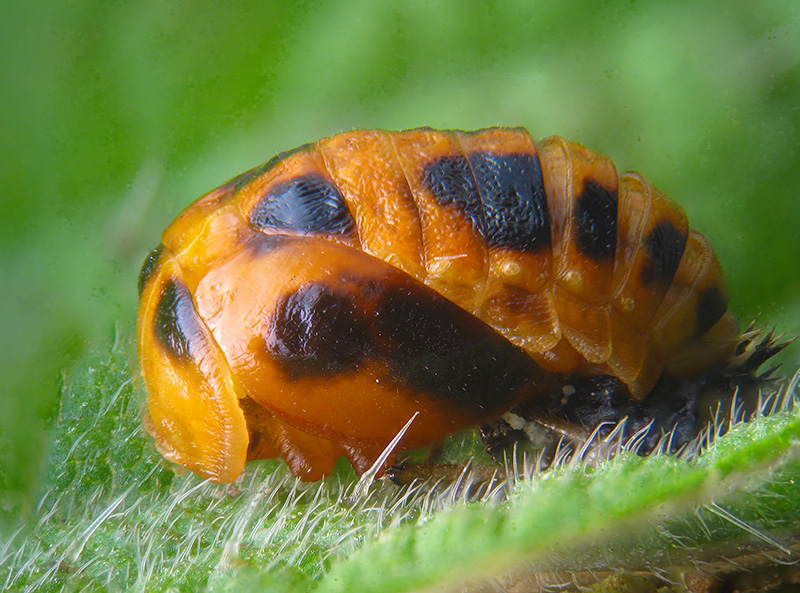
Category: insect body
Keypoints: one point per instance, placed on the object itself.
(309, 307)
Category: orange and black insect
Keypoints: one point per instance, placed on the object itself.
(309, 307)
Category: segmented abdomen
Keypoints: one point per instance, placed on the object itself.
(585, 269)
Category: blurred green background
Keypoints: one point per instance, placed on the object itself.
(116, 115)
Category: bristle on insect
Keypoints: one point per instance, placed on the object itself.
(755, 348)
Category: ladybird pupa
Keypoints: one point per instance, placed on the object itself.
(309, 307)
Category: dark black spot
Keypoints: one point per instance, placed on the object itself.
(503, 195)
(316, 332)
(596, 221)
(450, 180)
(437, 348)
(148, 267)
(305, 205)
(664, 246)
(515, 212)
(244, 178)
(430, 345)
(711, 306)
(176, 323)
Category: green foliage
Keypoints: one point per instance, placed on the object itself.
(116, 116)
(99, 414)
